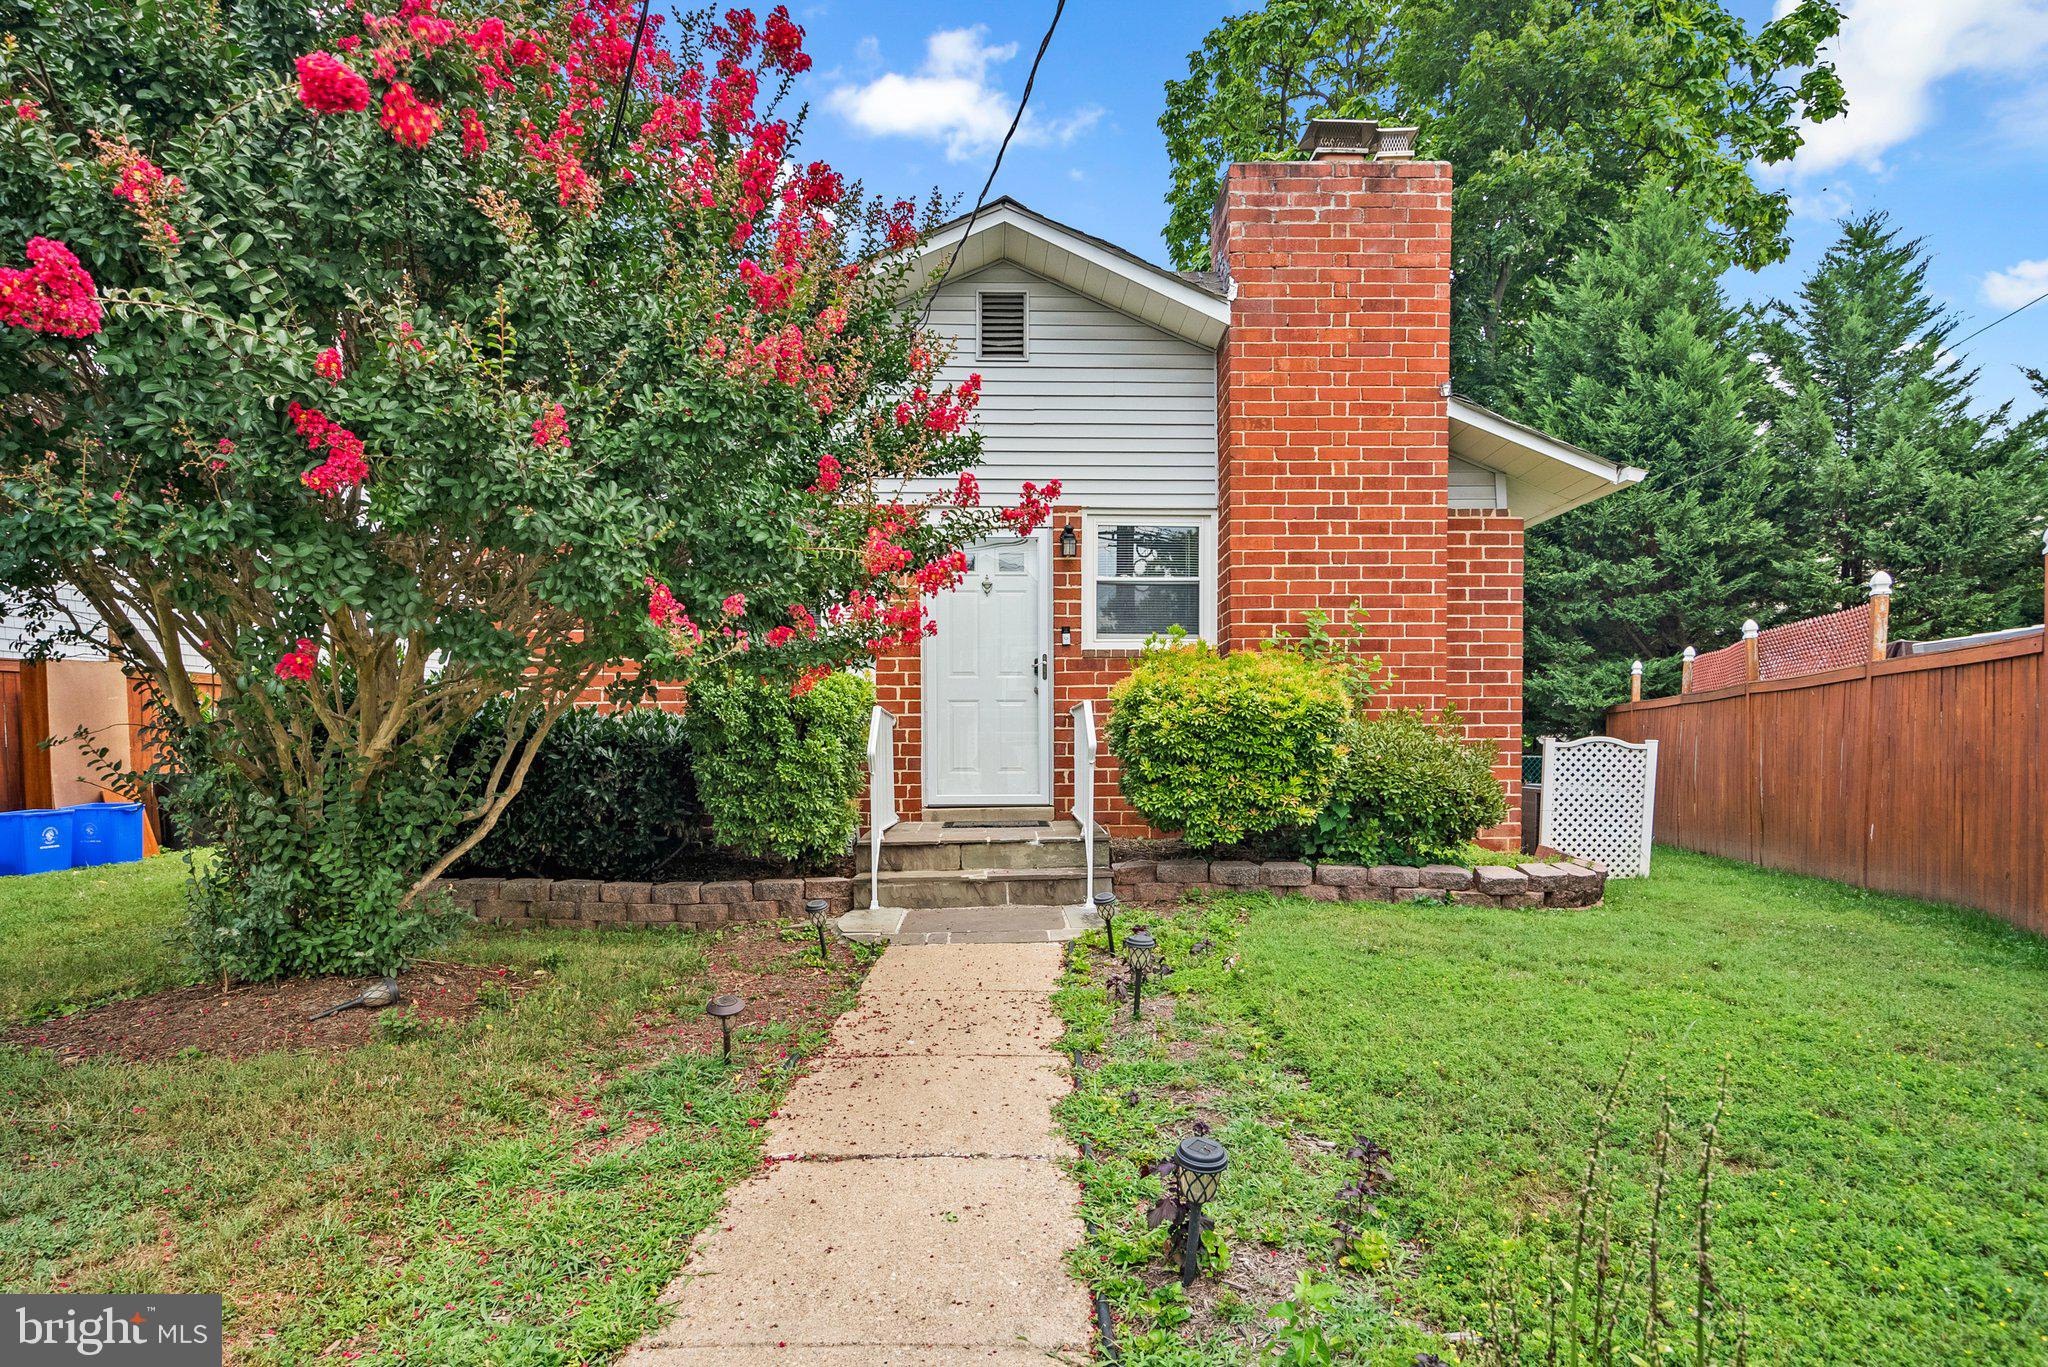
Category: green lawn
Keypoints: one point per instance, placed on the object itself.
(69, 939)
(514, 1189)
(1882, 1196)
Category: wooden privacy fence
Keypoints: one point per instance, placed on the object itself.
(1925, 774)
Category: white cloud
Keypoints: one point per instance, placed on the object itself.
(1893, 54)
(951, 100)
(1826, 204)
(2016, 284)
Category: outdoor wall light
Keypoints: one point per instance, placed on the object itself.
(1070, 544)
(1141, 956)
(816, 909)
(1198, 1164)
(723, 1008)
(1105, 907)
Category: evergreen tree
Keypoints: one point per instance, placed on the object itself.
(1636, 354)
(1553, 113)
(1871, 421)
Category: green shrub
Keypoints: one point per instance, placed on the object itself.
(779, 775)
(608, 796)
(1412, 791)
(1220, 747)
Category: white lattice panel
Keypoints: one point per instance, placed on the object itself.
(1600, 801)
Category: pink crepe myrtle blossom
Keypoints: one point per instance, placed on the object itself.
(552, 428)
(410, 121)
(54, 295)
(296, 665)
(329, 85)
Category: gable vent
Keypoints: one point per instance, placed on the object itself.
(1002, 327)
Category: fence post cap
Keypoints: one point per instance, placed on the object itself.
(1749, 630)
(1636, 668)
(1690, 655)
(2044, 541)
(1880, 585)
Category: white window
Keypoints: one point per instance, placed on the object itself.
(1002, 325)
(1142, 575)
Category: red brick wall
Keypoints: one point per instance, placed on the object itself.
(1483, 672)
(1332, 426)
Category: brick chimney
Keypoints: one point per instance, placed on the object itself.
(1333, 438)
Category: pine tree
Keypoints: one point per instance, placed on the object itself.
(1872, 422)
(1637, 355)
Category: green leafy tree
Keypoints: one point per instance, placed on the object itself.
(1552, 112)
(358, 370)
(1635, 353)
(1897, 468)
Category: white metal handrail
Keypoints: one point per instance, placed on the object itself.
(881, 793)
(1084, 784)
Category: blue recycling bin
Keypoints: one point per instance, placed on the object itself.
(106, 833)
(37, 840)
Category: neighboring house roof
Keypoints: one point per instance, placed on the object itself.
(1543, 476)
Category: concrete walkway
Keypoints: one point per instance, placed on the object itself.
(921, 1217)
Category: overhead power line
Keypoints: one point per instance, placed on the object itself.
(1016, 119)
(2001, 318)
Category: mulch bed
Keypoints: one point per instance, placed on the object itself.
(258, 1018)
(780, 979)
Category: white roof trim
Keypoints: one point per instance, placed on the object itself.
(1007, 231)
(1545, 476)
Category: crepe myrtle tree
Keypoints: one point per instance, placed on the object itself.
(357, 385)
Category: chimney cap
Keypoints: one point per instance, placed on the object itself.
(1361, 138)
(1340, 138)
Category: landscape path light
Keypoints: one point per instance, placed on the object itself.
(1141, 956)
(818, 910)
(722, 1008)
(1198, 1165)
(1105, 907)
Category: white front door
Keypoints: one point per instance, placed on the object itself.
(987, 682)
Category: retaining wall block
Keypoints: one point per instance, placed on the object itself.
(833, 890)
(726, 893)
(1446, 876)
(632, 894)
(1343, 876)
(1497, 879)
(1234, 873)
(1137, 871)
(1183, 870)
(1396, 876)
(676, 894)
(1286, 873)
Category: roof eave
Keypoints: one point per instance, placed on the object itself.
(1571, 475)
(1188, 311)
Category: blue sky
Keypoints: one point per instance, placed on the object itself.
(1947, 129)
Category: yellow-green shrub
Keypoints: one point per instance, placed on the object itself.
(1221, 747)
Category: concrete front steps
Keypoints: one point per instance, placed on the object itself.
(966, 876)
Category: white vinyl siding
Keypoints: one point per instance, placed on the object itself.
(1122, 414)
(1474, 486)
